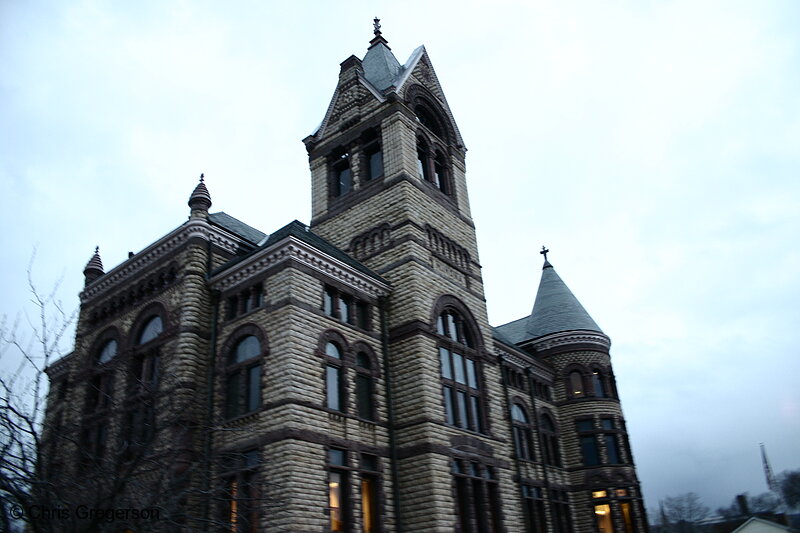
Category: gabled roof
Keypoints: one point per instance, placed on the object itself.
(760, 525)
(237, 227)
(555, 310)
(300, 231)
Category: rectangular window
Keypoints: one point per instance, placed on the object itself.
(612, 449)
(458, 363)
(472, 380)
(369, 503)
(344, 181)
(589, 450)
(364, 396)
(362, 315)
(559, 507)
(344, 309)
(253, 388)
(449, 407)
(627, 517)
(337, 490)
(375, 165)
(462, 409)
(602, 513)
(535, 521)
(328, 302)
(334, 389)
(477, 499)
(444, 357)
(232, 396)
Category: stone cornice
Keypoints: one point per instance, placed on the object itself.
(293, 249)
(565, 338)
(195, 228)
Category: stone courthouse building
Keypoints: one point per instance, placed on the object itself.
(341, 376)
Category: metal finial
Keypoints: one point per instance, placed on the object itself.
(376, 25)
(544, 252)
(96, 249)
(201, 177)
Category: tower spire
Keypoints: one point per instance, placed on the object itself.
(378, 39)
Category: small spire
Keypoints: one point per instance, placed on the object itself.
(200, 198)
(94, 268)
(378, 39)
(544, 252)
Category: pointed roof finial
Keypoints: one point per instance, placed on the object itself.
(94, 268)
(376, 26)
(200, 198)
(546, 262)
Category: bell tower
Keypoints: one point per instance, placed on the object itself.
(389, 188)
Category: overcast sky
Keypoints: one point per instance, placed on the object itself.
(653, 146)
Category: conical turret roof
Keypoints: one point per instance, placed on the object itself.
(556, 308)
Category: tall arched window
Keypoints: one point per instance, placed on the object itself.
(334, 379)
(550, 451)
(460, 372)
(522, 432)
(575, 384)
(99, 402)
(598, 384)
(243, 377)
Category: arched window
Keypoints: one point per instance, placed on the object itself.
(459, 372)
(107, 352)
(334, 383)
(243, 377)
(423, 160)
(551, 452)
(365, 401)
(576, 385)
(598, 385)
(522, 432)
(151, 330)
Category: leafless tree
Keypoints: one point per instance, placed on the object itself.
(164, 472)
(683, 512)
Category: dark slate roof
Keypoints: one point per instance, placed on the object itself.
(380, 66)
(555, 309)
(237, 227)
(300, 231)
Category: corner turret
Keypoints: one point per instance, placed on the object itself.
(94, 268)
(200, 200)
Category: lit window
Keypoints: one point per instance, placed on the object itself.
(576, 384)
(602, 513)
(241, 492)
